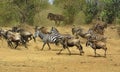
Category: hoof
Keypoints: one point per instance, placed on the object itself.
(95, 56)
(81, 54)
(104, 56)
(69, 53)
(58, 53)
(82, 51)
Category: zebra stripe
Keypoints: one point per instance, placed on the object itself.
(50, 38)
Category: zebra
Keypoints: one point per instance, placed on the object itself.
(54, 31)
(46, 38)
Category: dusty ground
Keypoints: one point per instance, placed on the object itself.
(33, 60)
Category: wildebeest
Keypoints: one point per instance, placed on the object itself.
(97, 45)
(99, 28)
(16, 35)
(66, 43)
(16, 38)
(55, 17)
(43, 29)
(27, 36)
(3, 33)
(96, 32)
(15, 29)
(77, 31)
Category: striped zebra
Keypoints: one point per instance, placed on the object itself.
(54, 31)
(47, 38)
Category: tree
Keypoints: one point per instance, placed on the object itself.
(70, 8)
(28, 8)
(22, 11)
(90, 10)
(110, 10)
(7, 13)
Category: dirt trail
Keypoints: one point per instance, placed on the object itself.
(33, 60)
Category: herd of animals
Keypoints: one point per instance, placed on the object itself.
(94, 37)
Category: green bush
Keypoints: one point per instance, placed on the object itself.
(20, 11)
(90, 10)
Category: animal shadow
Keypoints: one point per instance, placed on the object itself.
(98, 56)
(68, 54)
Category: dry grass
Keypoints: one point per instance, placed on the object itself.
(33, 60)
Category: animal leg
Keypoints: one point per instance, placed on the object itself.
(69, 51)
(60, 51)
(16, 44)
(55, 22)
(81, 49)
(95, 52)
(49, 46)
(43, 46)
(10, 44)
(59, 23)
(105, 49)
(24, 42)
(34, 39)
(86, 43)
(30, 37)
(25, 45)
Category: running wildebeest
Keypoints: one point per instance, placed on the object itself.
(67, 42)
(99, 28)
(55, 17)
(96, 45)
(78, 31)
(13, 37)
(27, 36)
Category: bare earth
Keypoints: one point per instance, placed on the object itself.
(34, 60)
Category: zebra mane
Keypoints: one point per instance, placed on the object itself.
(54, 30)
